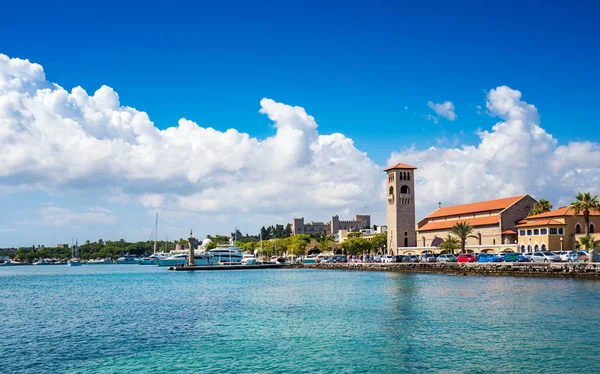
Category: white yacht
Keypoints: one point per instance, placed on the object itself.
(226, 254)
(249, 259)
(40, 261)
(100, 261)
(200, 259)
(128, 259)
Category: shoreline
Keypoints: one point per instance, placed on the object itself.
(548, 270)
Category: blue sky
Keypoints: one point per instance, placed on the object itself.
(354, 67)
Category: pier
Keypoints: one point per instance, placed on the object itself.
(227, 267)
(529, 269)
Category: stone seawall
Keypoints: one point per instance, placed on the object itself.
(561, 270)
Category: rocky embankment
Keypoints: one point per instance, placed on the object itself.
(557, 270)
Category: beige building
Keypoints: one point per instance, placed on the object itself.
(400, 190)
(494, 224)
(556, 230)
(361, 221)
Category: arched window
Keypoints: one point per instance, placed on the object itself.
(522, 248)
(391, 190)
(544, 247)
(536, 248)
(577, 229)
(407, 176)
(404, 189)
(592, 228)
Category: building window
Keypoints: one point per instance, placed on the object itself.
(561, 231)
(391, 190)
(536, 232)
(544, 231)
(522, 232)
(536, 248)
(553, 231)
(407, 176)
(404, 189)
(592, 228)
(522, 249)
(529, 232)
(406, 242)
(494, 242)
(544, 247)
(577, 229)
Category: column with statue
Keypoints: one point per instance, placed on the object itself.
(192, 243)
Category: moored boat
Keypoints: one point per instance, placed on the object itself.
(200, 259)
(100, 261)
(249, 259)
(310, 259)
(128, 259)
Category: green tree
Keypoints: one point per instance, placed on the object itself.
(379, 243)
(298, 244)
(540, 207)
(354, 246)
(583, 204)
(354, 235)
(211, 245)
(462, 230)
(588, 242)
(450, 244)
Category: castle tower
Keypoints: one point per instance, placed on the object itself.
(400, 191)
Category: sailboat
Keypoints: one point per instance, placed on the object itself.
(154, 257)
(75, 260)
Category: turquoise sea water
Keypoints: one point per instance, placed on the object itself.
(130, 318)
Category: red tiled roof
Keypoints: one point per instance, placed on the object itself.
(561, 212)
(509, 232)
(399, 166)
(479, 221)
(540, 222)
(482, 206)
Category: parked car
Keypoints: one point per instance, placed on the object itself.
(326, 260)
(582, 256)
(521, 258)
(466, 257)
(545, 256)
(510, 257)
(446, 258)
(388, 259)
(340, 259)
(483, 257)
(528, 254)
(427, 257)
(564, 255)
(398, 258)
(414, 258)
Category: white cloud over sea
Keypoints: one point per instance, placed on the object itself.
(516, 156)
(56, 139)
(59, 141)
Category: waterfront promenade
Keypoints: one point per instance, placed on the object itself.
(555, 270)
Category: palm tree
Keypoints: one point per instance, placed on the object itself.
(462, 230)
(588, 242)
(583, 204)
(450, 244)
(540, 207)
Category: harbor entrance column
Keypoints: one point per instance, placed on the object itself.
(192, 242)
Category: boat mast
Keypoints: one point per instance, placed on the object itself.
(155, 232)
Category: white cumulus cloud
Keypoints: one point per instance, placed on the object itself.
(516, 157)
(55, 139)
(445, 109)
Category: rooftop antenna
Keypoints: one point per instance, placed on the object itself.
(439, 204)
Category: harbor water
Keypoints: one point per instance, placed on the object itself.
(129, 318)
